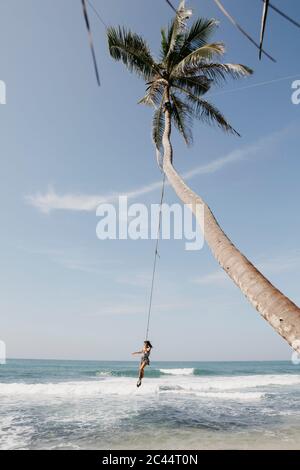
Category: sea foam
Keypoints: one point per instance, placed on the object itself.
(182, 383)
(183, 371)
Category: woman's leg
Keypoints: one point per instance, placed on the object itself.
(142, 370)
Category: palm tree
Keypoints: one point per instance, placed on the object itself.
(187, 68)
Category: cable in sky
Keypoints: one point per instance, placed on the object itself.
(263, 25)
(87, 23)
(284, 15)
(254, 85)
(97, 14)
(170, 4)
(232, 20)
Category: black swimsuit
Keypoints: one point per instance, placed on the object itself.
(145, 358)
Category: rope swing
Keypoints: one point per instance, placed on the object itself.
(156, 254)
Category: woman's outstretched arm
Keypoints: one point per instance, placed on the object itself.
(137, 352)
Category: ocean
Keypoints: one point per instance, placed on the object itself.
(48, 404)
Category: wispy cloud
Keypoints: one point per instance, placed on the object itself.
(51, 200)
(276, 265)
(135, 280)
(216, 277)
(78, 261)
(136, 308)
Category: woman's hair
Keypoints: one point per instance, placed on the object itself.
(148, 344)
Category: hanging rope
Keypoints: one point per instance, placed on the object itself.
(155, 256)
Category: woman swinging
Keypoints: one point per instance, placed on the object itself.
(144, 360)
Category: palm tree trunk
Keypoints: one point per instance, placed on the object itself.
(275, 307)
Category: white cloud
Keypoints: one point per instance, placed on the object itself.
(78, 261)
(134, 280)
(134, 308)
(51, 200)
(215, 277)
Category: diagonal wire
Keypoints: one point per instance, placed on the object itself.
(232, 20)
(172, 6)
(97, 13)
(284, 15)
(263, 25)
(87, 23)
(254, 85)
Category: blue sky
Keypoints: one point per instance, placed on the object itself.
(66, 143)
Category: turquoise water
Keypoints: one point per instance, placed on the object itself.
(96, 405)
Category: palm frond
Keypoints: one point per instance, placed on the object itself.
(218, 72)
(197, 36)
(164, 44)
(177, 28)
(182, 115)
(154, 94)
(198, 85)
(132, 50)
(205, 111)
(195, 58)
(158, 125)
